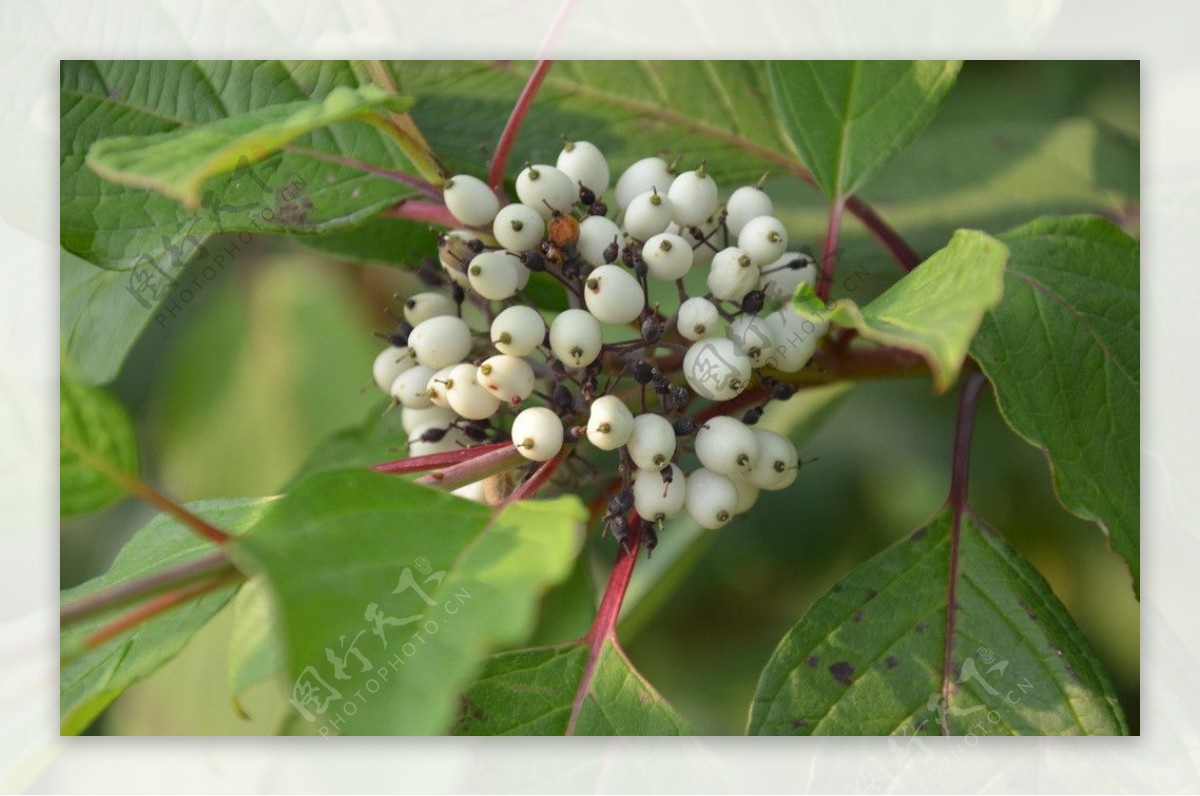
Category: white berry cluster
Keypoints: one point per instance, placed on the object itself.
(612, 370)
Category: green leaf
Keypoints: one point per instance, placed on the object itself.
(447, 580)
(1062, 350)
(848, 118)
(95, 436)
(90, 681)
(180, 162)
(531, 692)
(870, 657)
(936, 308)
(316, 186)
(715, 110)
(379, 438)
(255, 646)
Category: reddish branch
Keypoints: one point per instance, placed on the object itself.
(829, 257)
(153, 608)
(509, 136)
(604, 628)
(959, 475)
(423, 212)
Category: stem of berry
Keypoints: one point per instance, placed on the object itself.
(206, 566)
(509, 136)
(417, 464)
(497, 458)
(960, 471)
(829, 258)
(604, 628)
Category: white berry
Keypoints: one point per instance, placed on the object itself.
(452, 440)
(648, 214)
(584, 163)
(782, 278)
(796, 339)
(693, 197)
(538, 434)
(668, 256)
(409, 389)
(697, 318)
(755, 336)
(518, 330)
(747, 494)
(440, 383)
(466, 397)
(454, 252)
(764, 238)
(507, 377)
(710, 499)
(411, 419)
(613, 295)
(596, 233)
(727, 445)
(717, 368)
(541, 185)
(778, 461)
(733, 274)
(655, 499)
(424, 306)
(610, 423)
(652, 443)
(746, 203)
(494, 274)
(575, 338)
(390, 363)
(470, 200)
(440, 341)
(645, 175)
(518, 227)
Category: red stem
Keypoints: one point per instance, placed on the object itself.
(423, 212)
(509, 136)
(530, 486)
(497, 458)
(901, 252)
(829, 258)
(153, 608)
(960, 470)
(604, 628)
(418, 464)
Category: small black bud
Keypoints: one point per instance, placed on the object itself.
(752, 416)
(661, 385)
(457, 293)
(586, 195)
(649, 537)
(610, 252)
(680, 395)
(642, 370)
(621, 502)
(475, 245)
(685, 426)
(562, 399)
(652, 330)
(753, 301)
(533, 260)
(782, 392)
(597, 208)
(433, 434)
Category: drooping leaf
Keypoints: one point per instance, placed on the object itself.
(179, 163)
(147, 239)
(935, 309)
(90, 681)
(95, 435)
(1062, 350)
(848, 118)
(255, 644)
(884, 652)
(531, 692)
(399, 592)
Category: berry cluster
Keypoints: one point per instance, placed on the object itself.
(461, 386)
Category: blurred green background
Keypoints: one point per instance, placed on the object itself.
(232, 395)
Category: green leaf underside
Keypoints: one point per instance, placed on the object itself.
(92, 424)
(531, 692)
(1062, 350)
(848, 118)
(342, 541)
(90, 681)
(255, 648)
(936, 309)
(868, 657)
(309, 189)
(697, 110)
(180, 162)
